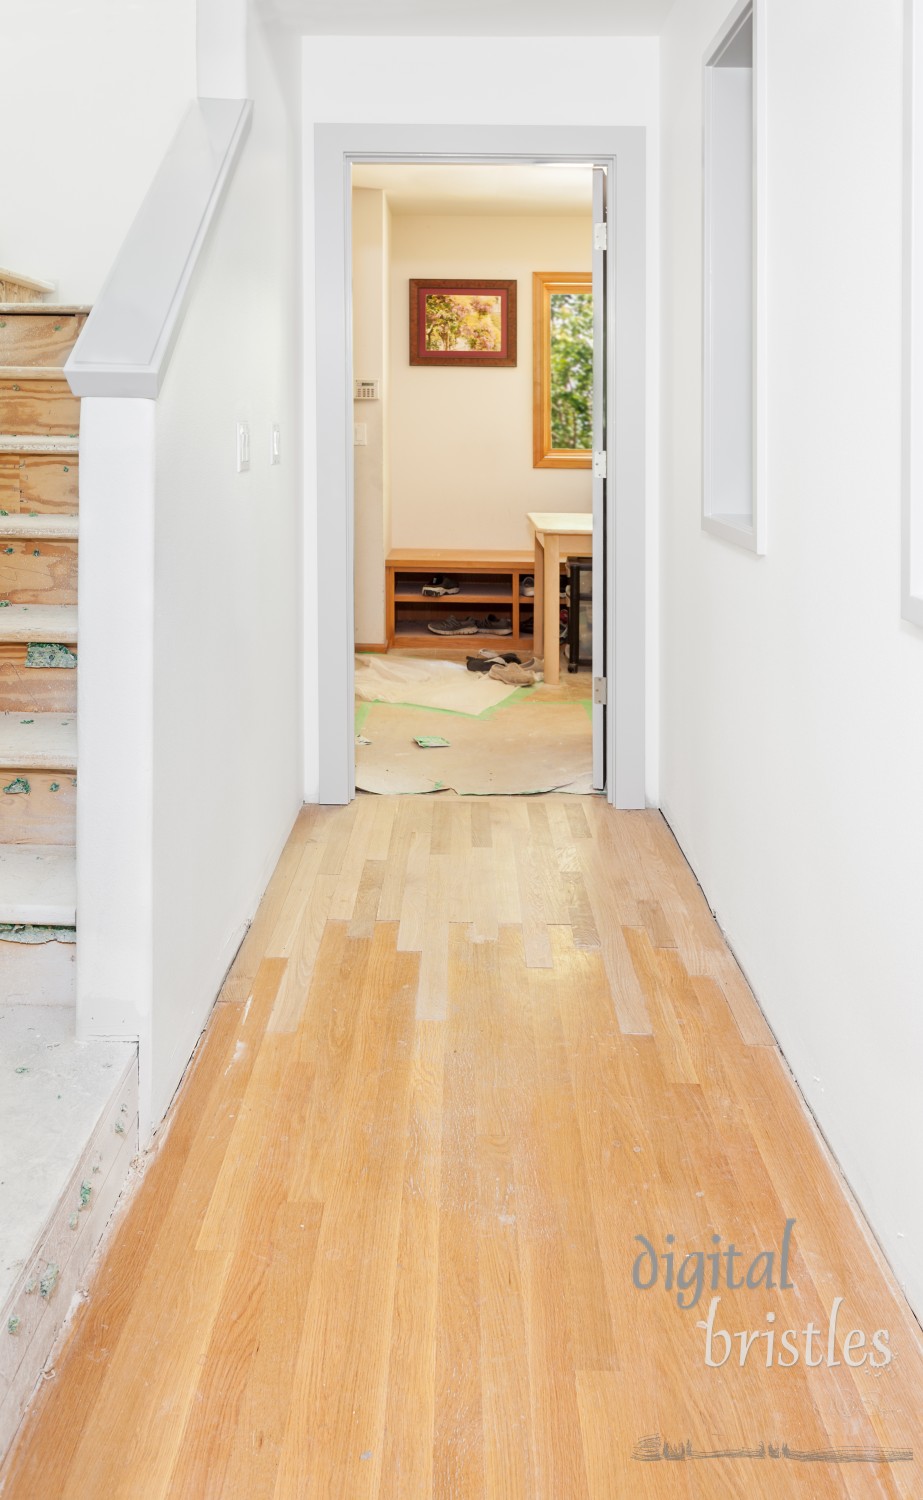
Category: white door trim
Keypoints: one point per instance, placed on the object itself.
(622, 151)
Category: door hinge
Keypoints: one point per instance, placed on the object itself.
(600, 690)
(599, 464)
(601, 236)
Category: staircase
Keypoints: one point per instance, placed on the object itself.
(68, 1108)
(39, 465)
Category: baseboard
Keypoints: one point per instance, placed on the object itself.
(366, 647)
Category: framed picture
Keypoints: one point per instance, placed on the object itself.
(463, 323)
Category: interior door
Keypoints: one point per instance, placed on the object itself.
(600, 234)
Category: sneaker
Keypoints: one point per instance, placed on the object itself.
(439, 586)
(495, 625)
(484, 663)
(512, 674)
(527, 586)
(451, 626)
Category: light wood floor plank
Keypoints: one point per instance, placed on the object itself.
(471, 1052)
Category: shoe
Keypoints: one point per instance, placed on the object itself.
(495, 625)
(512, 674)
(451, 626)
(527, 586)
(439, 586)
(483, 663)
(492, 655)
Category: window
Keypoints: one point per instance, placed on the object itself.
(562, 364)
(734, 428)
(912, 539)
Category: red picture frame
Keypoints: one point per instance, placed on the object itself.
(459, 322)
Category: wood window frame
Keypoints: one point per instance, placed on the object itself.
(544, 284)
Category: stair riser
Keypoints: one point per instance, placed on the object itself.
(38, 338)
(34, 689)
(38, 406)
(41, 815)
(14, 291)
(38, 572)
(42, 482)
(38, 973)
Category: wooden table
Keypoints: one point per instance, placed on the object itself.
(558, 535)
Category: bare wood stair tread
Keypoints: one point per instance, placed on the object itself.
(38, 742)
(38, 885)
(38, 442)
(47, 525)
(44, 309)
(39, 622)
(32, 372)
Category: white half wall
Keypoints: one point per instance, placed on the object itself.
(539, 80)
(792, 714)
(91, 97)
(227, 639)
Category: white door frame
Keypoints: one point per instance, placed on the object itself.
(621, 150)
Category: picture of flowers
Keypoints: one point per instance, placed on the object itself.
(463, 323)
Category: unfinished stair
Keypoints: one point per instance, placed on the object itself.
(68, 1109)
(39, 470)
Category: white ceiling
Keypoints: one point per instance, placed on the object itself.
(473, 18)
(513, 190)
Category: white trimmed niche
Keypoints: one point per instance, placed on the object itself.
(734, 436)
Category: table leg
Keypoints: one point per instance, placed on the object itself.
(552, 611)
(538, 598)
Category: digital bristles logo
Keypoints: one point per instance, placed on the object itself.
(714, 1268)
(689, 1277)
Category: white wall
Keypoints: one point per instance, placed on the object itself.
(792, 713)
(539, 80)
(91, 96)
(371, 341)
(461, 440)
(227, 641)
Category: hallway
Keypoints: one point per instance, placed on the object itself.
(468, 1052)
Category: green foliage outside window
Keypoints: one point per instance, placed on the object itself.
(571, 370)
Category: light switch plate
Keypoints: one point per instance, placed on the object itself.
(360, 434)
(275, 444)
(243, 447)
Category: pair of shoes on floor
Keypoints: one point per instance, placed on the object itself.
(505, 667)
(439, 586)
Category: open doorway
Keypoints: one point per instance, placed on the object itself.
(329, 535)
(478, 409)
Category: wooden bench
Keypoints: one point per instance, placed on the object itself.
(489, 583)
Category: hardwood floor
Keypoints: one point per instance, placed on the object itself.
(468, 1052)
